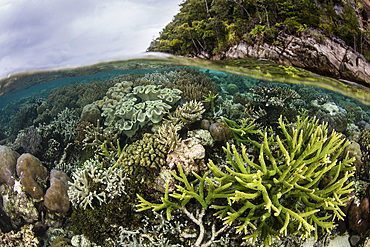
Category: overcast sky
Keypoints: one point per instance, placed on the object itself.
(45, 33)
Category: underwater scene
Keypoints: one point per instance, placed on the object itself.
(180, 153)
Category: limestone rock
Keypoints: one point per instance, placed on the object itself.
(312, 51)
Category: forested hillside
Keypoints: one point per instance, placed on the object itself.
(213, 26)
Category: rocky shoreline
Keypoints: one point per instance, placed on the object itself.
(312, 51)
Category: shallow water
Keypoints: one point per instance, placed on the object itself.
(74, 119)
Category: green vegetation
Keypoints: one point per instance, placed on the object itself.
(294, 187)
(212, 26)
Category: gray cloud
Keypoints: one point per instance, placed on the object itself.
(40, 33)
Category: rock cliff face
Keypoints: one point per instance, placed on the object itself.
(311, 51)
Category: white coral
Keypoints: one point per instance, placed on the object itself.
(81, 192)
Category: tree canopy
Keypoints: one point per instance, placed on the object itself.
(213, 26)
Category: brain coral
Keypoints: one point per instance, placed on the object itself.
(144, 158)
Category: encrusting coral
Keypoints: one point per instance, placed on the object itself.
(297, 189)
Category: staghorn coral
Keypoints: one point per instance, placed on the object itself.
(273, 188)
(92, 185)
(278, 193)
(240, 132)
(142, 160)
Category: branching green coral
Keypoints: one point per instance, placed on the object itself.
(297, 187)
(211, 98)
(240, 132)
(285, 191)
(203, 190)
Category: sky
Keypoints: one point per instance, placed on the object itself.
(39, 34)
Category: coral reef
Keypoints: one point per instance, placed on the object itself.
(143, 159)
(145, 104)
(204, 136)
(275, 101)
(188, 113)
(232, 89)
(56, 197)
(354, 151)
(32, 175)
(78, 95)
(17, 205)
(64, 126)
(91, 113)
(93, 186)
(97, 137)
(29, 141)
(273, 95)
(23, 238)
(365, 141)
(167, 135)
(190, 154)
(8, 161)
(283, 192)
(335, 116)
(155, 231)
(193, 84)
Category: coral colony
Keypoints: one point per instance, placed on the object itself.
(181, 157)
